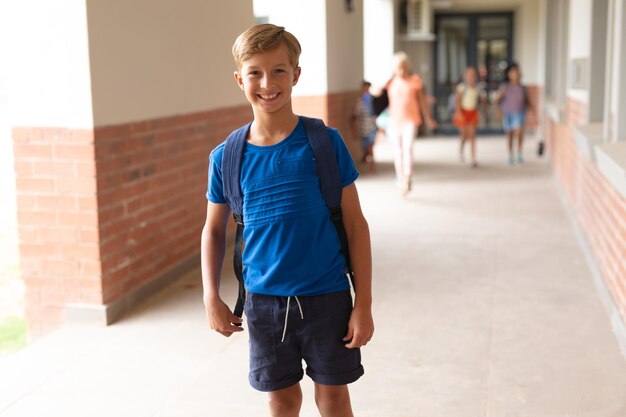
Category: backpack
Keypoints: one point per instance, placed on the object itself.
(330, 185)
(380, 103)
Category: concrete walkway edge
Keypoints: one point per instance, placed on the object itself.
(617, 324)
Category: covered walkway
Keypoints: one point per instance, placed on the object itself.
(484, 306)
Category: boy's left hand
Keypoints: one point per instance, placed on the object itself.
(360, 328)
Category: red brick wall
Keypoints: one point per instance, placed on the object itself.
(335, 109)
(152, 177)
(58, 222)
(600, 208)
(103, 211)
(534, 96)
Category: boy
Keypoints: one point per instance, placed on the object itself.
(292, 258)
(364, 124)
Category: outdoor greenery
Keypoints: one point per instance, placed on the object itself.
(12, 334)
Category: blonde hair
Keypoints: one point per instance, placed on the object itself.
(262, 38)
(399, 59)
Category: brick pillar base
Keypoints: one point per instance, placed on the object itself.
(58, 222)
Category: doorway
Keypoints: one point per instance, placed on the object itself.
(481, 40)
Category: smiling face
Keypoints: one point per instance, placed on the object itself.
(266, 79)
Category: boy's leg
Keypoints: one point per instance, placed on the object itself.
(286, 402)
(369, 147)
(364, 148)
(333, 400)
(509, 136)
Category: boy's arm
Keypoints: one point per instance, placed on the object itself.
(361, 324)
(212, 251)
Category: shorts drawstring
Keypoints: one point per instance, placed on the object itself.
(287, 315)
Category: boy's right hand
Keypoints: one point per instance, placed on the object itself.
(221, 318)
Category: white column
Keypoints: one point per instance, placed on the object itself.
(46, 58)
(619, 70)
(378, 32)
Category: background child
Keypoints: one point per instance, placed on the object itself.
(298, 305)
(466, 112)
(364, 124)
(513, 99)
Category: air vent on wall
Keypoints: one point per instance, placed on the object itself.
(415, 14)
(415, 17)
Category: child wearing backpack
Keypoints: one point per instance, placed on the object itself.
(298, 304)
(468, 96)
(364, 124)
(514, 101)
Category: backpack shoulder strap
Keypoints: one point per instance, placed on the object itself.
(231, 177)
(330, 181)
(326, 159)
(231, 168)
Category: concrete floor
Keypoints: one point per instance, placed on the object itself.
(484, 306)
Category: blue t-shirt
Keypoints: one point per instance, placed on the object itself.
(291, 246)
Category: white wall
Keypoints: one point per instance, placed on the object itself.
(541, 35)
(618, 91)
(344, 46)
(617, 77)
(580, 28)
(378, 39)
(155, 58)
(579, 42)
(307, 22)
(45, 62)
(528, 41)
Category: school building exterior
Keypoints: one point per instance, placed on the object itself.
(115, 106)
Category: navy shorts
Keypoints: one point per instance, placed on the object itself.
(315, 328)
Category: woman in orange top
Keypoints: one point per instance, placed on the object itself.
(405, 101)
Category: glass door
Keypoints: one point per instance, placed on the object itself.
(481, 40)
